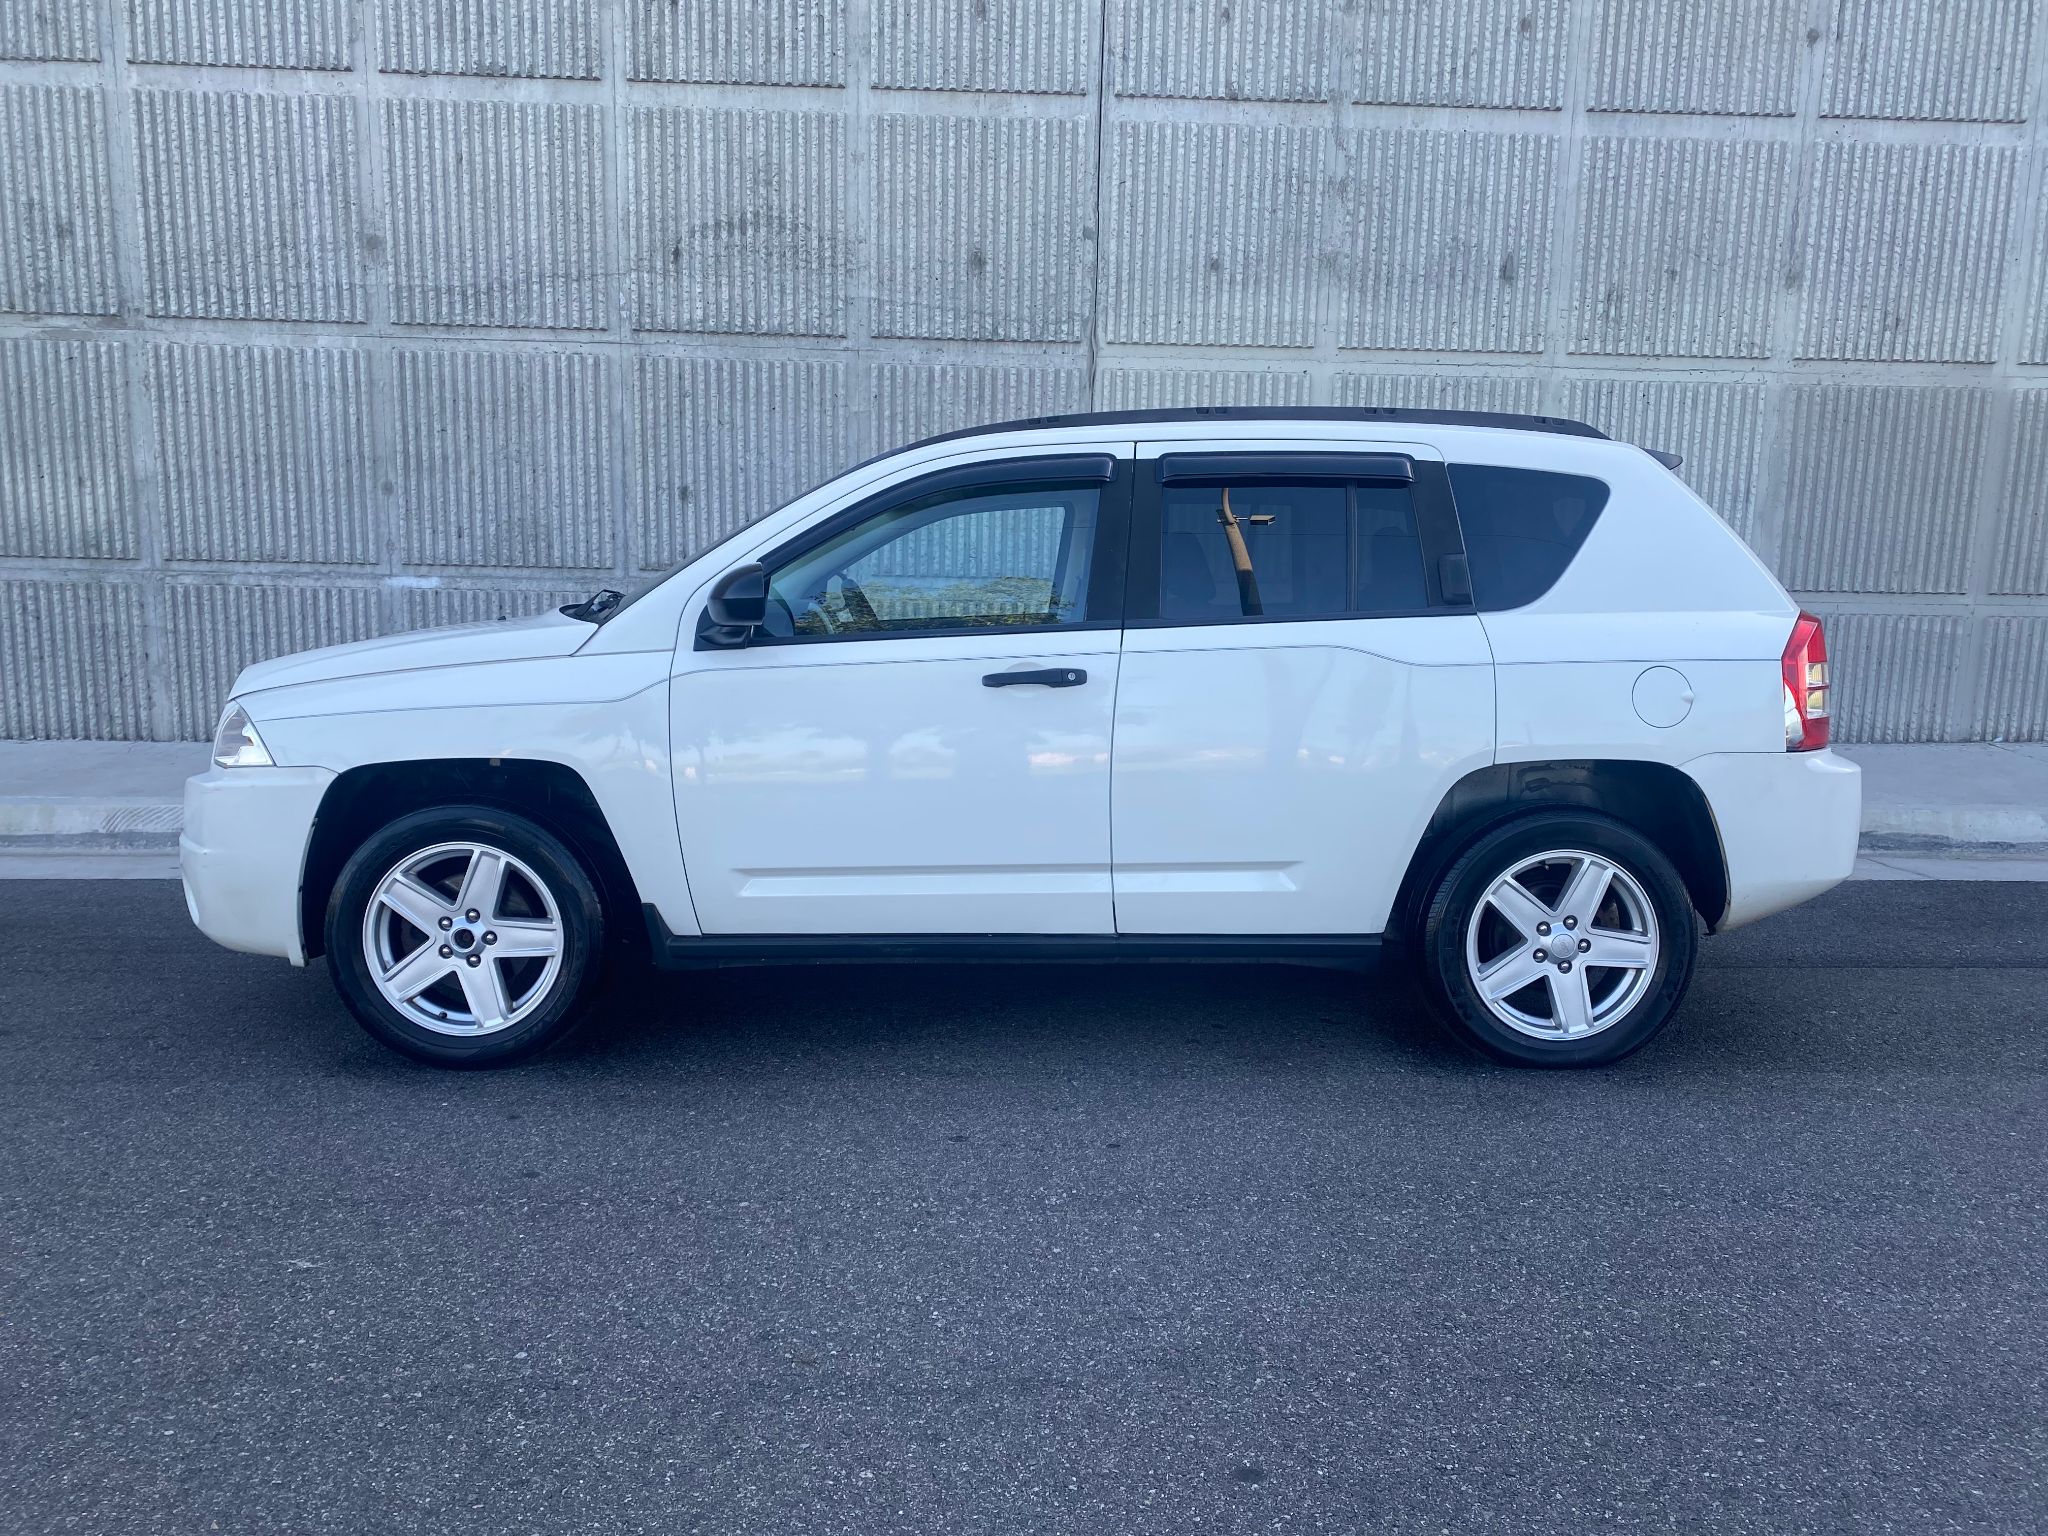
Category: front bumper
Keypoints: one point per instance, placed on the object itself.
(1789, 824)
(243, 854)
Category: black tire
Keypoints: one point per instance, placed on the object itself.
(551, 1011)
(1441, 956)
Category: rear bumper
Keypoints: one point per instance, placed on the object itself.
(243, 853)
(1789, 823)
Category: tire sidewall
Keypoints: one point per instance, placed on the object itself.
(1463, 885)
(568, 882)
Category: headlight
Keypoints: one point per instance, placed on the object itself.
(236, 744)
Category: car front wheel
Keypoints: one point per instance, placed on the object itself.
(1559, 939)
(465, 937)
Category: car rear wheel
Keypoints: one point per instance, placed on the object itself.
(465, 936)
(1562, 938)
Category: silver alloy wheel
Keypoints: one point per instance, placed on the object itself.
(463, 939)
(1562, 945)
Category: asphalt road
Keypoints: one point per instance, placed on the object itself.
(1027, 1249)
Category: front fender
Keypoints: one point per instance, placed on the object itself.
(605, 718)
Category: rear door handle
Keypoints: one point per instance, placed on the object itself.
(1044, 677)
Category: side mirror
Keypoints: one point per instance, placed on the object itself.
(737, 606)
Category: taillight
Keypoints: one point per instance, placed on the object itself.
(1806, 686)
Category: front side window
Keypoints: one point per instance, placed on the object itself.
(1009, 557)
(1288, 551)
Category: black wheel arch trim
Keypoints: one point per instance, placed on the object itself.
(364, 799)
(1656, 800)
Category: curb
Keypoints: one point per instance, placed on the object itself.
(1950, 831)
(62, 826)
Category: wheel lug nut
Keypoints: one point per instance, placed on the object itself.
(471, 914)
(446, 951)
(1564, 966)
(1543, 927)
(1542, 955)
(447, 923)
(479, 960)
(490, 938)
(1570, 922)
(1584, 945)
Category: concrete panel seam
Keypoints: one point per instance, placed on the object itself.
(158, 723)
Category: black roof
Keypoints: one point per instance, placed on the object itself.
(1510, 420)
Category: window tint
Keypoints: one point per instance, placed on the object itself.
(1013, 557)
(1315, 550)
(1522, 527)
(1387, 574)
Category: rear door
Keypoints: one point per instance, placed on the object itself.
(1303, 677)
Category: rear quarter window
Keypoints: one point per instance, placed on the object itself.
(1522, 527)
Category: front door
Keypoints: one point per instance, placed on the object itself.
(918, 742)
(1297, 690)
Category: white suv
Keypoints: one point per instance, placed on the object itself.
(1173, 684)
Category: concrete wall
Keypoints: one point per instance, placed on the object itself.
(326, 317)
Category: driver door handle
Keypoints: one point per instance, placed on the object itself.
(1044, 677)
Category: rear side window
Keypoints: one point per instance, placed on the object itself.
(1317, 549)
(1522, 527)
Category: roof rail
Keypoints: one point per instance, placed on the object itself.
(1509, 420)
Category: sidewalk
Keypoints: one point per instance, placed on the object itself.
(96, 808)
(93, 809)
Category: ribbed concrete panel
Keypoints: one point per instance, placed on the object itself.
(1464, 53)
(56, 203)
(916, 400)
(1735, 57)
(435, 607)
(1680, 246)
(1451, 390)
(719, 441)
(1716, 427)
(1451, 241)
(1906, 248)
(545, 39)
(504, 459)
(739, 221)
(280, 34)
(64, 452)
(1243, 50)
(1242, 205)
(497, 213)
(1958, 60)
(215, 629)
(2034, 328)
(72, 661)
(192, 257)
(1893, 674)
(1035, 46)
(248, 205)
(1879, 486)
(1147, 389)
(49, 29)
(978, 228)
(756, 42)
(265, 453)
(2022, 562)
(2015, 701)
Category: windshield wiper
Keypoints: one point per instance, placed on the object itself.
(594, 607)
